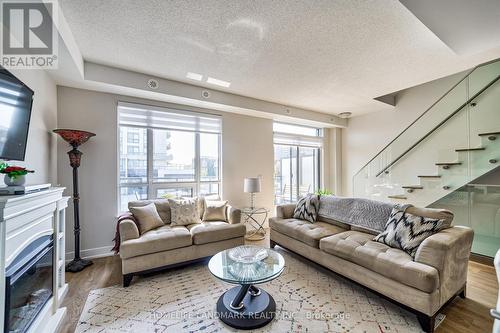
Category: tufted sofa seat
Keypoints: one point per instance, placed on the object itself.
(359, 248)
(424, 284)
(309, 233)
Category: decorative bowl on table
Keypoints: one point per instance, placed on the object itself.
(247, 254)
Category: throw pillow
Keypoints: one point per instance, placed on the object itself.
(406, 231)
(215, 211)
(147, 217)
(184, 211)
(307, 208)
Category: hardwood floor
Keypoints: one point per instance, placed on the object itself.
(463, 315)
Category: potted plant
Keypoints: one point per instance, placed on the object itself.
(14, 175)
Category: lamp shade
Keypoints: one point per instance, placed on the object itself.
(74, 137)
(251, 185)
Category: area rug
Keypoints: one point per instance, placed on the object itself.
(308, 299)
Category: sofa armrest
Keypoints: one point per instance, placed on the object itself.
(128, 230)
(233, 215)
(448, 251)
(285, 211)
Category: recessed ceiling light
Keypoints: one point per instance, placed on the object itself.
(345, 114)
(218, 82)
(194, 76)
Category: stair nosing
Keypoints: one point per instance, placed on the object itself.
(430, 176)
(416, 187)
(450, 163)
(397, 197)
(490, 133)
(470, 149)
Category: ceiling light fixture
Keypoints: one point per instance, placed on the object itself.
(218, 82)
(345, 114)
(194, 76)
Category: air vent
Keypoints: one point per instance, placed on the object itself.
(153, 84)
(205, 94)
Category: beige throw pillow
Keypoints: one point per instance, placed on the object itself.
(147, 217)
(184, 211)
(215, 211)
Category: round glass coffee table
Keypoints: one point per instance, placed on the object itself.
(246, 306)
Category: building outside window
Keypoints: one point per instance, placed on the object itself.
(166, 153)
(297, 161)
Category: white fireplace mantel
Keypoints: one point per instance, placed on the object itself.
(24, 218)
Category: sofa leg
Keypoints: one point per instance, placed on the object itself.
(463, 293)
(127, 279)
(427, 322)
(272, 244)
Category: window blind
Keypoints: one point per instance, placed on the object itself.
(138, 115)
(298, 140)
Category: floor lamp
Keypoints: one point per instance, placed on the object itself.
(75, 138)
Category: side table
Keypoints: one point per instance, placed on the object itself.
(255, 217)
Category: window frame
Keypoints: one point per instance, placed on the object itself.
(153, 185)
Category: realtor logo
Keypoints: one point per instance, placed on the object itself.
(29, 37)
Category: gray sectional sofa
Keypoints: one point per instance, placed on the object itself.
(168, 246)
(423, 284)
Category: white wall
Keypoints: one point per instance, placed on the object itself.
(247, 151)
(366, 135)
(41, 150)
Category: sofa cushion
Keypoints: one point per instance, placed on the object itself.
(306, 232)
(358, 247)
(215, 211)
(162, 207)
(147, 217)
(156, 240)
(209, 232)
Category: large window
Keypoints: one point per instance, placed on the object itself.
(297, 160)
(167, 153)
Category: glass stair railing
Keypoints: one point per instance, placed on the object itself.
(454, 142)
(448, 158)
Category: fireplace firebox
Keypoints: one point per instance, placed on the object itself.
(28, 285)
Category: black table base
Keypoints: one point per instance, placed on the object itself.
(246, 307)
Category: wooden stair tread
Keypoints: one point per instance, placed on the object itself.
(430, 176)
(449, 163)
(402, 197)
(490, 133)
(470, 149)
(414, 187)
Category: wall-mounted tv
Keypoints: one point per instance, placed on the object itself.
(16, 100)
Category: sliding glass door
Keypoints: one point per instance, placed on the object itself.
(296, 172)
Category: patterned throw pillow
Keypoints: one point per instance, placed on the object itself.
(307, 208)
(184, 211)
(406, 231)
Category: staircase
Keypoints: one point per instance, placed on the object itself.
(454, 142)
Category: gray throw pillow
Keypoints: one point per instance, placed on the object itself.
(406, 231)
(307, 208)
(147, 217)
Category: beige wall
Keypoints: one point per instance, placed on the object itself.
(366, 135)
(247, 150)
(41, 150)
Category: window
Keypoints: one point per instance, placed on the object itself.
(297, 158)
(166, 153)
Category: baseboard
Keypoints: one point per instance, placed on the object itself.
(98, 252)
(482, 259)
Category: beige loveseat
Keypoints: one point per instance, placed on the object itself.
(422, 285)
(169, 246)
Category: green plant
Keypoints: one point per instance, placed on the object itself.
(323, 191)
(13, 171)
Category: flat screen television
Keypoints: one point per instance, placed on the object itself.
(16, 100)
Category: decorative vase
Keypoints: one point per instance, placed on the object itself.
(15, 181)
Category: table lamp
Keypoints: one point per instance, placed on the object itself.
(252, 186)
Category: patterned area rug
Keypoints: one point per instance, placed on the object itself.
(308, 299)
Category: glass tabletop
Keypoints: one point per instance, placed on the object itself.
(247, 264)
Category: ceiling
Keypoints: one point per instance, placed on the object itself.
(329, 56)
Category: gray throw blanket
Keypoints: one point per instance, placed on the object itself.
(365, 213)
